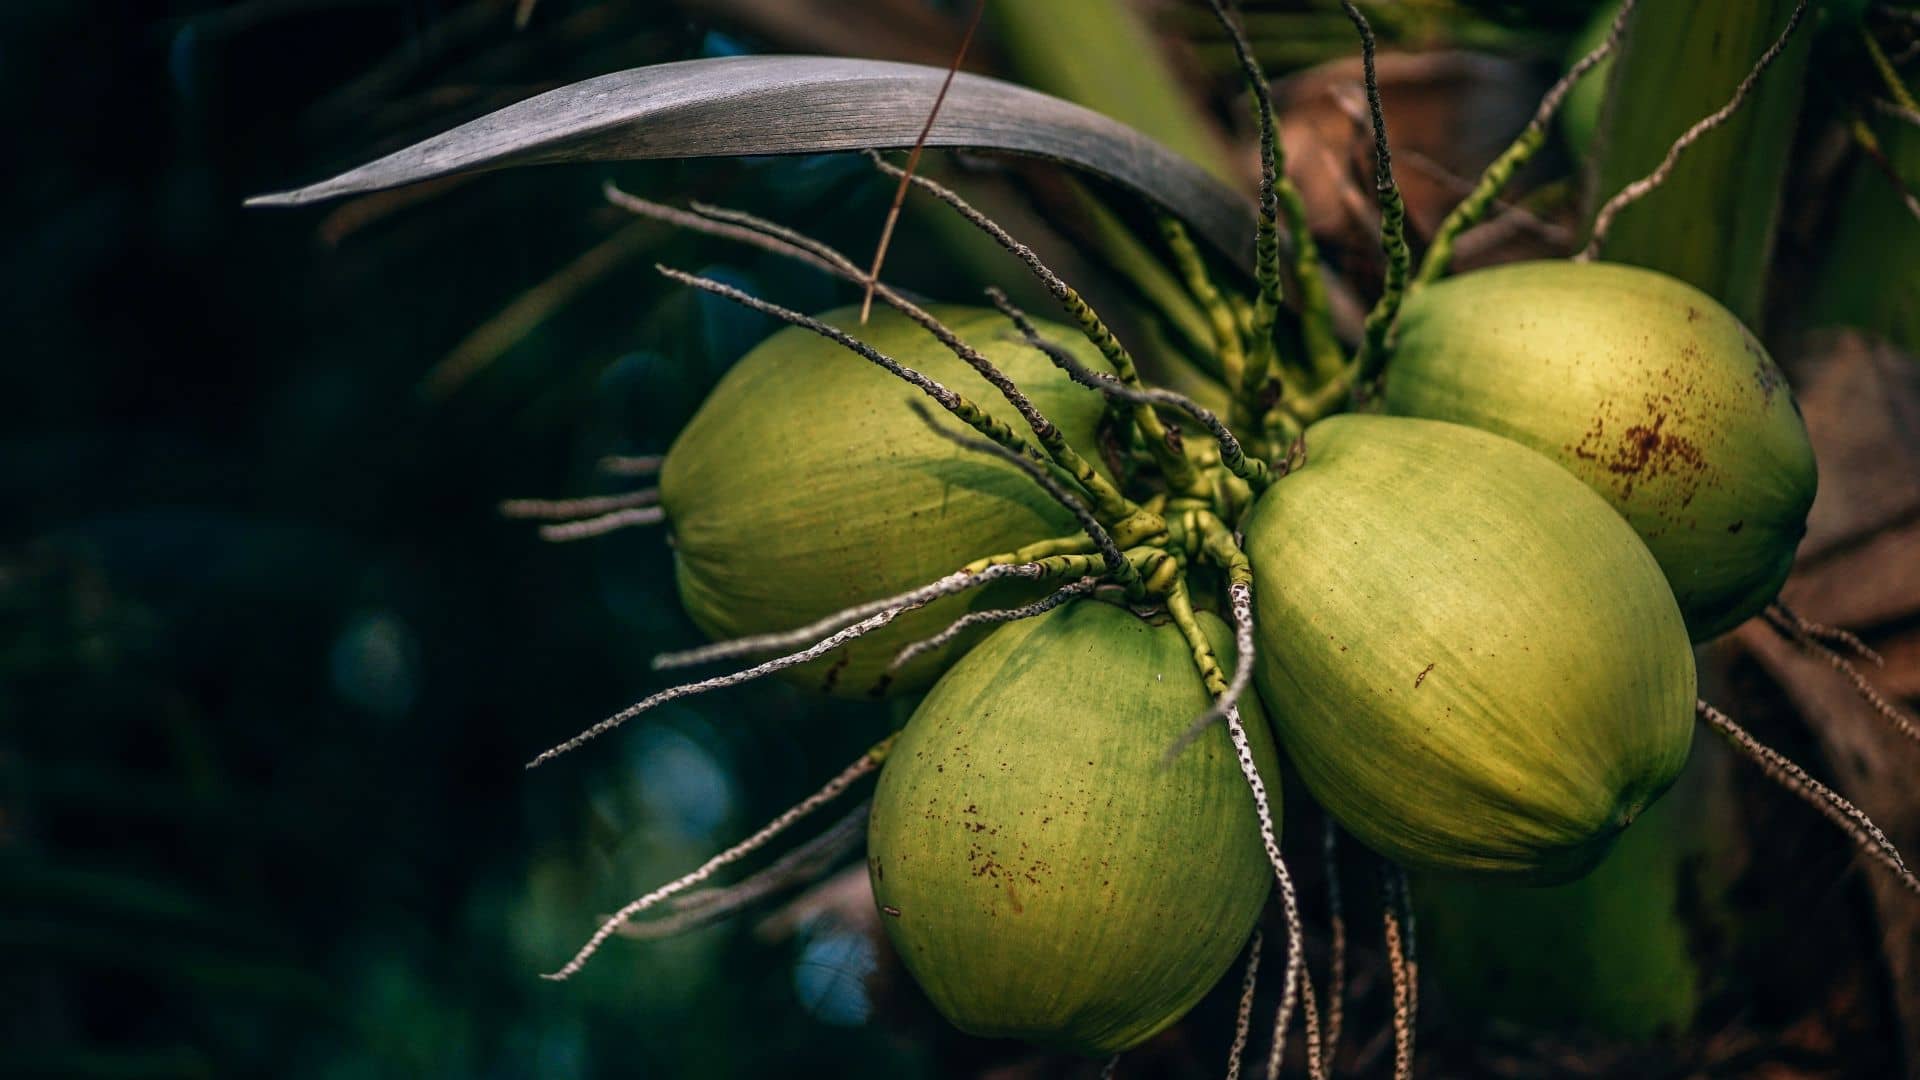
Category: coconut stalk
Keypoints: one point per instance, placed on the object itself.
(1613, 953)
(1712, 222)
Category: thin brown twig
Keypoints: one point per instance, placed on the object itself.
(913, 162)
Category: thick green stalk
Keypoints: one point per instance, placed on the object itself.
(1180, 607)
(1076, 544)
(1712, 222)
(1236, 369)
(1612, 953)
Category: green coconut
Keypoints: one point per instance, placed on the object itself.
(1042, 873)
(1643, 387)
(1474, 663)
(806, 483)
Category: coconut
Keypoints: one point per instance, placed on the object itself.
(1474, 663)
(1043, 874)
(1642, 386)
(806, 483)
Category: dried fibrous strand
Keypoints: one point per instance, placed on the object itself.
(814, 631)
(952, 401)
(834, 788)
(1835, 808)
(1393, 213)
(1510, 216)
(1802, 633)
(575, 509)
(1118, 568)
(803, 864)
(1639, 189)
(819, 249)
(1232, 455)
(946, 586)
(991, 617)
(1832, 635)
(1107, 498)
(589, 528)
(1092, 327)
(705, 224)
(1243, 1017)
(1501, 170)
(630, 464)
(1906, 114)
(1071, 302)
(1294, 974)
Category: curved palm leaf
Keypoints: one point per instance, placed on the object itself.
(750, 105)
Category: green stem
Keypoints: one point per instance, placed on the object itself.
(1076, 544)
(1236, 369)
(1393, 216)
(1180, 607)
(1279, 197)
(1473, 209)
(1218, 544)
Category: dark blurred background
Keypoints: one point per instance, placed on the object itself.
(270, 663)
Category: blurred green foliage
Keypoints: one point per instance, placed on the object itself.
(269, 664)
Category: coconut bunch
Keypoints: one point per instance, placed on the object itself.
(1451, 573)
